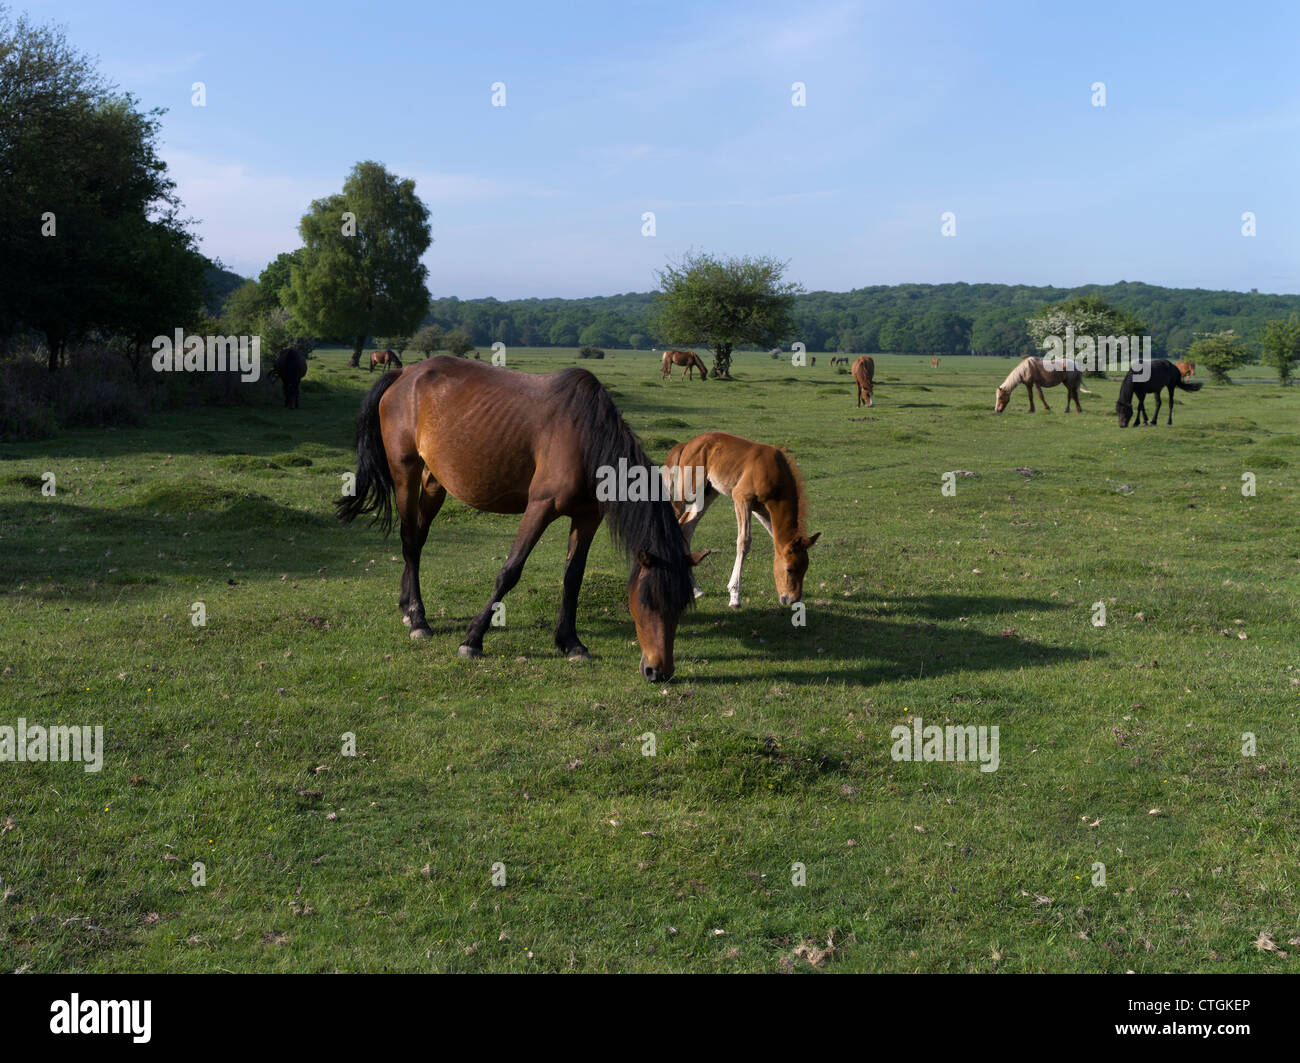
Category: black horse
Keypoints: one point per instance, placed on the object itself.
(1155, 375)
(290, 367)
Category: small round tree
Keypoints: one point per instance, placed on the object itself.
(724, 303)
(458, 343)
(1279, 342)
(1220, 353)
(428, 341)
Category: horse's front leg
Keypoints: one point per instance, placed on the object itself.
(537, 516)
(1043, 398)
(1156, 419)
(1171, 403)
(690, 518)
(581, 532)
(742, 548)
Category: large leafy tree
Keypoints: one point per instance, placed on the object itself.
(359, 271)
(725, 303)
(1280, 343)
(84, 202)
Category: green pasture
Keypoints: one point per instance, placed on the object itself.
(1120, 745)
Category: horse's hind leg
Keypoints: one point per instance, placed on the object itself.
(536, 518)
(419, 497)
(1043, 398)
(1171, 403)
(581, 532)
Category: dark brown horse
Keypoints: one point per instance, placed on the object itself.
(290, 367)
(385, 357)
(1145, 377)
(689, 359)
(508, 442)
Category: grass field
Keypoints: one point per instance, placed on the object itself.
(1120, 745)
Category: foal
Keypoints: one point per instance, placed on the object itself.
(762, 481)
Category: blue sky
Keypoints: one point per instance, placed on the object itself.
(684, 109)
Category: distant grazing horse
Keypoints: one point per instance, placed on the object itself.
(508, 442)
(689, 359)
(839, 360)
(1186, 368)
(388, 358)
(934, 364)
(290, 367)
(864, 369)
(761, 480)
(1033, 372)
(812, 359)
(1156, 375)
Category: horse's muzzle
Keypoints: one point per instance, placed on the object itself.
(655, 675)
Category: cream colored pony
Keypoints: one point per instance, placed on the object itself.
(1033, 372)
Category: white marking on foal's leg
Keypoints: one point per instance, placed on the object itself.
(742, 548)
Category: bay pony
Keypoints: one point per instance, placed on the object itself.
(508, 442)
(689, 359)
(864, 371)
(763, 482)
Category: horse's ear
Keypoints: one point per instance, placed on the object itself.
(699, 556)
(811, 539)
(646, 559)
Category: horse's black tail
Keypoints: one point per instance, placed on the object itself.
(373, 491)
(1194, 385)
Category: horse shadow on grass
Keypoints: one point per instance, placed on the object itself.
(870, 645)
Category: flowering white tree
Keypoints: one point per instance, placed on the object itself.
(1088, 315)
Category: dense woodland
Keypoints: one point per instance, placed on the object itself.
(985, 319)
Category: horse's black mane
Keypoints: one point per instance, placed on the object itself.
(634, 526)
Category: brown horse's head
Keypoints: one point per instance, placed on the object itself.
(704, 373)
(1004, 396)
(655, 621)
(789, 564)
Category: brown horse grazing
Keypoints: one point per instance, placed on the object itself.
(290, 367)
(689, 359)
(1186, 368)
(934, 363)
(388, 358)
(761, 480)
(1033, 372)
(507, 442)
(864, 370)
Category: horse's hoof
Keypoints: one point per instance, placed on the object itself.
(699, 593)
(579, 653)
(418, 633)
(406, 620)
(734, 605)
(469, 651)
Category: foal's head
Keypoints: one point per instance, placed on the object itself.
(655, 614)
(789, 564)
